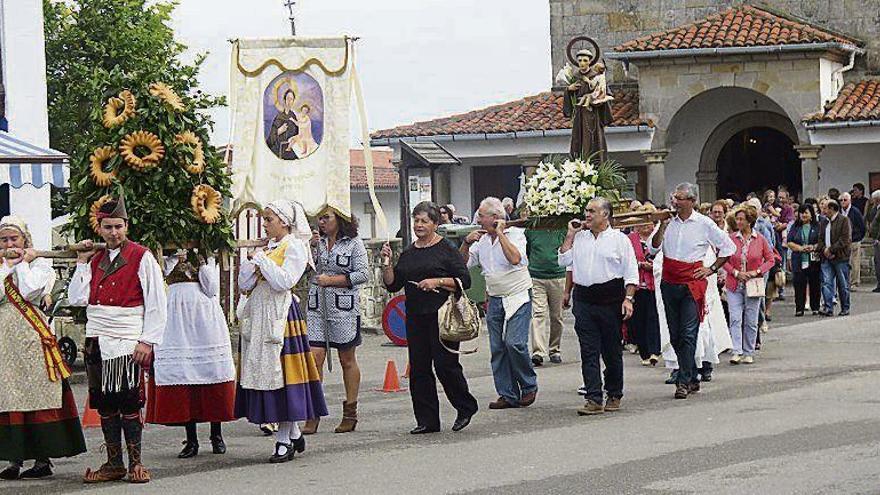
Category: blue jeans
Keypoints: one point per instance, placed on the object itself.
(743, 320)
(509, 343)
(835, 272)
(684, 325)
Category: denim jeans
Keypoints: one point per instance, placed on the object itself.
(835, 273)
(684, 325)
(598, 328)
(509, 343)
(743, 320)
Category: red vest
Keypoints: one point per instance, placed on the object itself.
(117, 283)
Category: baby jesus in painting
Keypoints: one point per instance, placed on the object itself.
(303, 144)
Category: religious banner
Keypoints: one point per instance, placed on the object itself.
(290, 101)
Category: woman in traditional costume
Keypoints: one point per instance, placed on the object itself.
(193, 371)
(38, 415)
(279, 381)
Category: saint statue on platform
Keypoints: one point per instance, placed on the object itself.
(587, 103)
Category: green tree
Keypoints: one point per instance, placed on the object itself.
(95, 49)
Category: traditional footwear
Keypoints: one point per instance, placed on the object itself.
(11, 472)
(612, 404)
(501, 403)
(748, 360)
(736, 359)
(528, 399)
(107, 472)
(40, 470)
(591, 408)
(190, 449)
(537, 360)
(138, 474)
(218, 446)
(673, 378)
(283, 453)
(269, 428)
(556, 358)
(681, 391)
(298, 444)
(421, 430)
(693, 387)
(311, 426)
(349, 418)
(461, 423)
(646, 362)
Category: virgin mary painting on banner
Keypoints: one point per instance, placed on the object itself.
(290, 102)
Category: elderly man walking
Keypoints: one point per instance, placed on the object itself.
(501, 253)
(684, 240)
(835, 244)
(605, 274)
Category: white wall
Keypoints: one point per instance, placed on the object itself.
(844, 165)
(390, 202)
(24, 76)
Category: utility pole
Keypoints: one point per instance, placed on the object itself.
(290, 4)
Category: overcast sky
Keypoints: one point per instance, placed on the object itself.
(418, 59)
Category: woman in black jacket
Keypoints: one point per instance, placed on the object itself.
(802, 239)
(428, 270)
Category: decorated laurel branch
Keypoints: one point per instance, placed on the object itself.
(560, 189)
(150, 145)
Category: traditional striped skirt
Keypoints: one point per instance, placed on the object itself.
(302, 396)
(50, 433)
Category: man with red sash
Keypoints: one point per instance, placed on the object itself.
(123, 289)
(684, 240)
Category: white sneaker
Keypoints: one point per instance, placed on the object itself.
(764, 327)
(736, 359)
(748, 360)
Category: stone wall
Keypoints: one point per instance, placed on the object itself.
(612, 22)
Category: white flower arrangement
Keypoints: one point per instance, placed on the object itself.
(562, 188)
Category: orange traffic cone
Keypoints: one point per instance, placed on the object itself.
(392, 384)
(406, 373)
(90, 417)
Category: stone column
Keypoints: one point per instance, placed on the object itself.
(809, 155)
(707, 180)
(656, 163)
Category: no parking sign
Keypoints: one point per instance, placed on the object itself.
(394, 320)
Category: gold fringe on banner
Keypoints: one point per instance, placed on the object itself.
(277, 63)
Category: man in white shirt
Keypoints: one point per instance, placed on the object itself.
(123, 290)
(605, 274)
(501, 253)
(684, 240)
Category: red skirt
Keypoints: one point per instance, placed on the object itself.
(178, 404)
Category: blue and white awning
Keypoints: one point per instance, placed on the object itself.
(24, 163)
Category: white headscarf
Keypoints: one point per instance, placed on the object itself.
(293, 215)
(17, 223)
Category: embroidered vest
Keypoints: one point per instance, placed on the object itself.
(117, 283)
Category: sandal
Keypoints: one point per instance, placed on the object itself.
(138, 474)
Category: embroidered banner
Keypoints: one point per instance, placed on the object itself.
(290, 101)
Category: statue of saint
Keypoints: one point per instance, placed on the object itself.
(588, 102)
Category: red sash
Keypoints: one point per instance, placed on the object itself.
(682, 273)
(55, 365)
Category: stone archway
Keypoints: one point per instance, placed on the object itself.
(707, 172)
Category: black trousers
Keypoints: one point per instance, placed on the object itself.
(645, 323)
(127, 401)
(684, 326)
(423, 337)
(802, 280)
(598, 328)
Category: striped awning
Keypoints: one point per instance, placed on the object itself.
(24, 163)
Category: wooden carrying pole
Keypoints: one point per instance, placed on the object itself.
(70, 251)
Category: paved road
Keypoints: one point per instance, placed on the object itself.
(804, 419)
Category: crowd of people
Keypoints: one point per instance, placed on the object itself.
(695, 281)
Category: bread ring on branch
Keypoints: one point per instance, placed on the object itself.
(96, 163)
(206, 202)
(145, 139)
(118, 110)
(166, 94)
(93, 212)
(198, 162)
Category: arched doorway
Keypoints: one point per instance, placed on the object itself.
(755, 159)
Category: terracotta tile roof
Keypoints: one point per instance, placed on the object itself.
(738, 27)
(856, 101)
(541, 112)
(384, 172)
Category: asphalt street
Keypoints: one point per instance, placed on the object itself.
(805, 419)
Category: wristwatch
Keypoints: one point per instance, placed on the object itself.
(630, 298)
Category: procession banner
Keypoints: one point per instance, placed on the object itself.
(290, 101)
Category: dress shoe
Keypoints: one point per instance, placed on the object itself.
(556, 358)
(706, 375)
(537, 360)
(612, 404)
(876, 290)
(11, 472)
(825, 313)
(298, 444)
(190, 449)
(681, 391)
(528, 399)
(420, 430)
(843, 313)
(40, 470)
(218, 446)
(461, 423)
(283, 453)
(799, 313)
(501, 403)
(591, 408)
(673, 378)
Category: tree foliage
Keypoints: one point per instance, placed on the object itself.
(94, 50)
